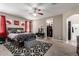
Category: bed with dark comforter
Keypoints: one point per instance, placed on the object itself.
(23, 39)
(19, 37)
(22, 36)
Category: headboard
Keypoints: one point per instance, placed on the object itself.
(14, 29)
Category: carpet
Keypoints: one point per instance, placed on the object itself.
(36, 50)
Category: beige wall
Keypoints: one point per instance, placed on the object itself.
(37, 24)
(57, 27)
(74, 19)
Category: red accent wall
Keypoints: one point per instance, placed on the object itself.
(3, 31)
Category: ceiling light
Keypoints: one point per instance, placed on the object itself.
(34, 14)
(49, 21)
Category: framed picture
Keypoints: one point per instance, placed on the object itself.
(8, 22)
(16, 22)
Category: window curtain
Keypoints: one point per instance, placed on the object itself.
(3, 31)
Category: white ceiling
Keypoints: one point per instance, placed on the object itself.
(25, 10)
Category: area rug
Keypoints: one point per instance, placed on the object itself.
(37, 50)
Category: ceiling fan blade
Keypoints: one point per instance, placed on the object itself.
(40, 13)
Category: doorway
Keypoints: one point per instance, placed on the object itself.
(73, 29)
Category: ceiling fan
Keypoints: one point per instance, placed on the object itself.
(37, 11)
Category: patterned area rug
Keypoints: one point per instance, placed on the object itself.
(37, 50)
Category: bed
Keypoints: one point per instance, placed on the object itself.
(14, 32)
(19, 36)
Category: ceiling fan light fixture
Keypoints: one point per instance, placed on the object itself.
(40, 13)
(34, 14)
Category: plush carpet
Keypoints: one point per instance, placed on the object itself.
(36, 50)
